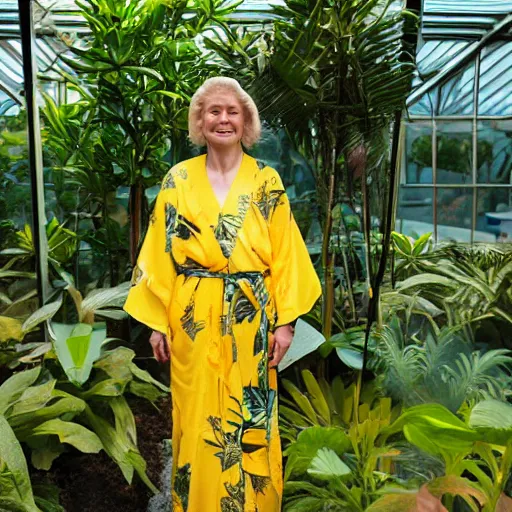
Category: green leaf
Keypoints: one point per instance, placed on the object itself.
(352, 358)
(170, 94)
(107, 387)
(433, 428)
(105, 297)
(78, 347)
(71, 433)
(421, 243)
(301, 400)
(494, 419)
(12, 454)
(144, 71)
(316, 396)
(144, 376)
(402, 243)
(327, 465)
(62, 404)
(427, 280)
(14, 387)
(119, 447)
(309, 441)
(33, 398)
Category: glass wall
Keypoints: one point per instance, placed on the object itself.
(18, 288)
(457, 160)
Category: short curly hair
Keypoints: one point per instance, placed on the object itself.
(252, 123)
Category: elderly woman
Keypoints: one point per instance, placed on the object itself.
(221, 278)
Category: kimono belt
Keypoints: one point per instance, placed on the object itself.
(244, 295)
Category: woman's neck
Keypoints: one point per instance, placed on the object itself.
(224, 160)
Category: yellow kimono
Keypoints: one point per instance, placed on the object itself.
(218, 281)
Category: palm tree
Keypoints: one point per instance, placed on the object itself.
(337, 78)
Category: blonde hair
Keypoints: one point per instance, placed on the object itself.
(252, 124)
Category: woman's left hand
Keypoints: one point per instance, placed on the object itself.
(283, 336)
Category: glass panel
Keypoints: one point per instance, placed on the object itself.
(418, 138)
(426, 106)
(454, 212)
(15, 189)
(457, 95)
(415, 213)
(494, 215)
(495, 152)
(496, 80)
(454, 152)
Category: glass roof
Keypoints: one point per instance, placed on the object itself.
(450, 30)
(52, 16)
(449, 50)
(454, 19)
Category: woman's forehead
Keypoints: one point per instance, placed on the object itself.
(222, 99)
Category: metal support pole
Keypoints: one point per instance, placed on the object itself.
(28, 45)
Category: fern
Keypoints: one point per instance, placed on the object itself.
(442, 370)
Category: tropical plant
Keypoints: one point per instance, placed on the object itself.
(441, 368)
(469, 284)
(141, 65)
(336, 78)
(477, 454)
(335, 460)
(97, 378)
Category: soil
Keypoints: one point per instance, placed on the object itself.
(94, 483)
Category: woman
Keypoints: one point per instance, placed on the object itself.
(223, 266)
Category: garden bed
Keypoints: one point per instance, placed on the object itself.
(94, 483)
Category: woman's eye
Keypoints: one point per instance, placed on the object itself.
(233, 113)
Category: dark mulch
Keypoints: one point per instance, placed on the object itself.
(94, 483)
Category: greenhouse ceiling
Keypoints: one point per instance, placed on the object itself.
(452, 33)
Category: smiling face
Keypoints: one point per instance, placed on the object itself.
(222, 119)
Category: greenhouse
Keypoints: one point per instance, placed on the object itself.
(255, 256)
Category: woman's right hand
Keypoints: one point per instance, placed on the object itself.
(160, 348)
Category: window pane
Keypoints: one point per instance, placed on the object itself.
(454, 152)
(457, 95)
(495, 152)
(415, 213)
(419, 152)
(454, 212)
(494, 214)
(496, 80)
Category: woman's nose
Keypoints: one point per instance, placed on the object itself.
(223, 116)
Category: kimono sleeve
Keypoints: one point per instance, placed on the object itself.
(154, 275)
(295, 281)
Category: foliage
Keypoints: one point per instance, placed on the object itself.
(337, 74)
(137, 73)
(441, 368)
(333, 453)
(477, 455)
(475, 283)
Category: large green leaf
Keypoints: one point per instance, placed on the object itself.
(433, 428)
(71, 433)
(33, 398)
(301, 400)
(12, 454)
(304, 450)
(78, 347)
(316, 396)
(14, 387)
(427, 280)
(61, 404)
(104, 298)
(119, 447)
(494, 419)
(327, 465)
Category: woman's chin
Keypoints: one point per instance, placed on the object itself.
(223, 142)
